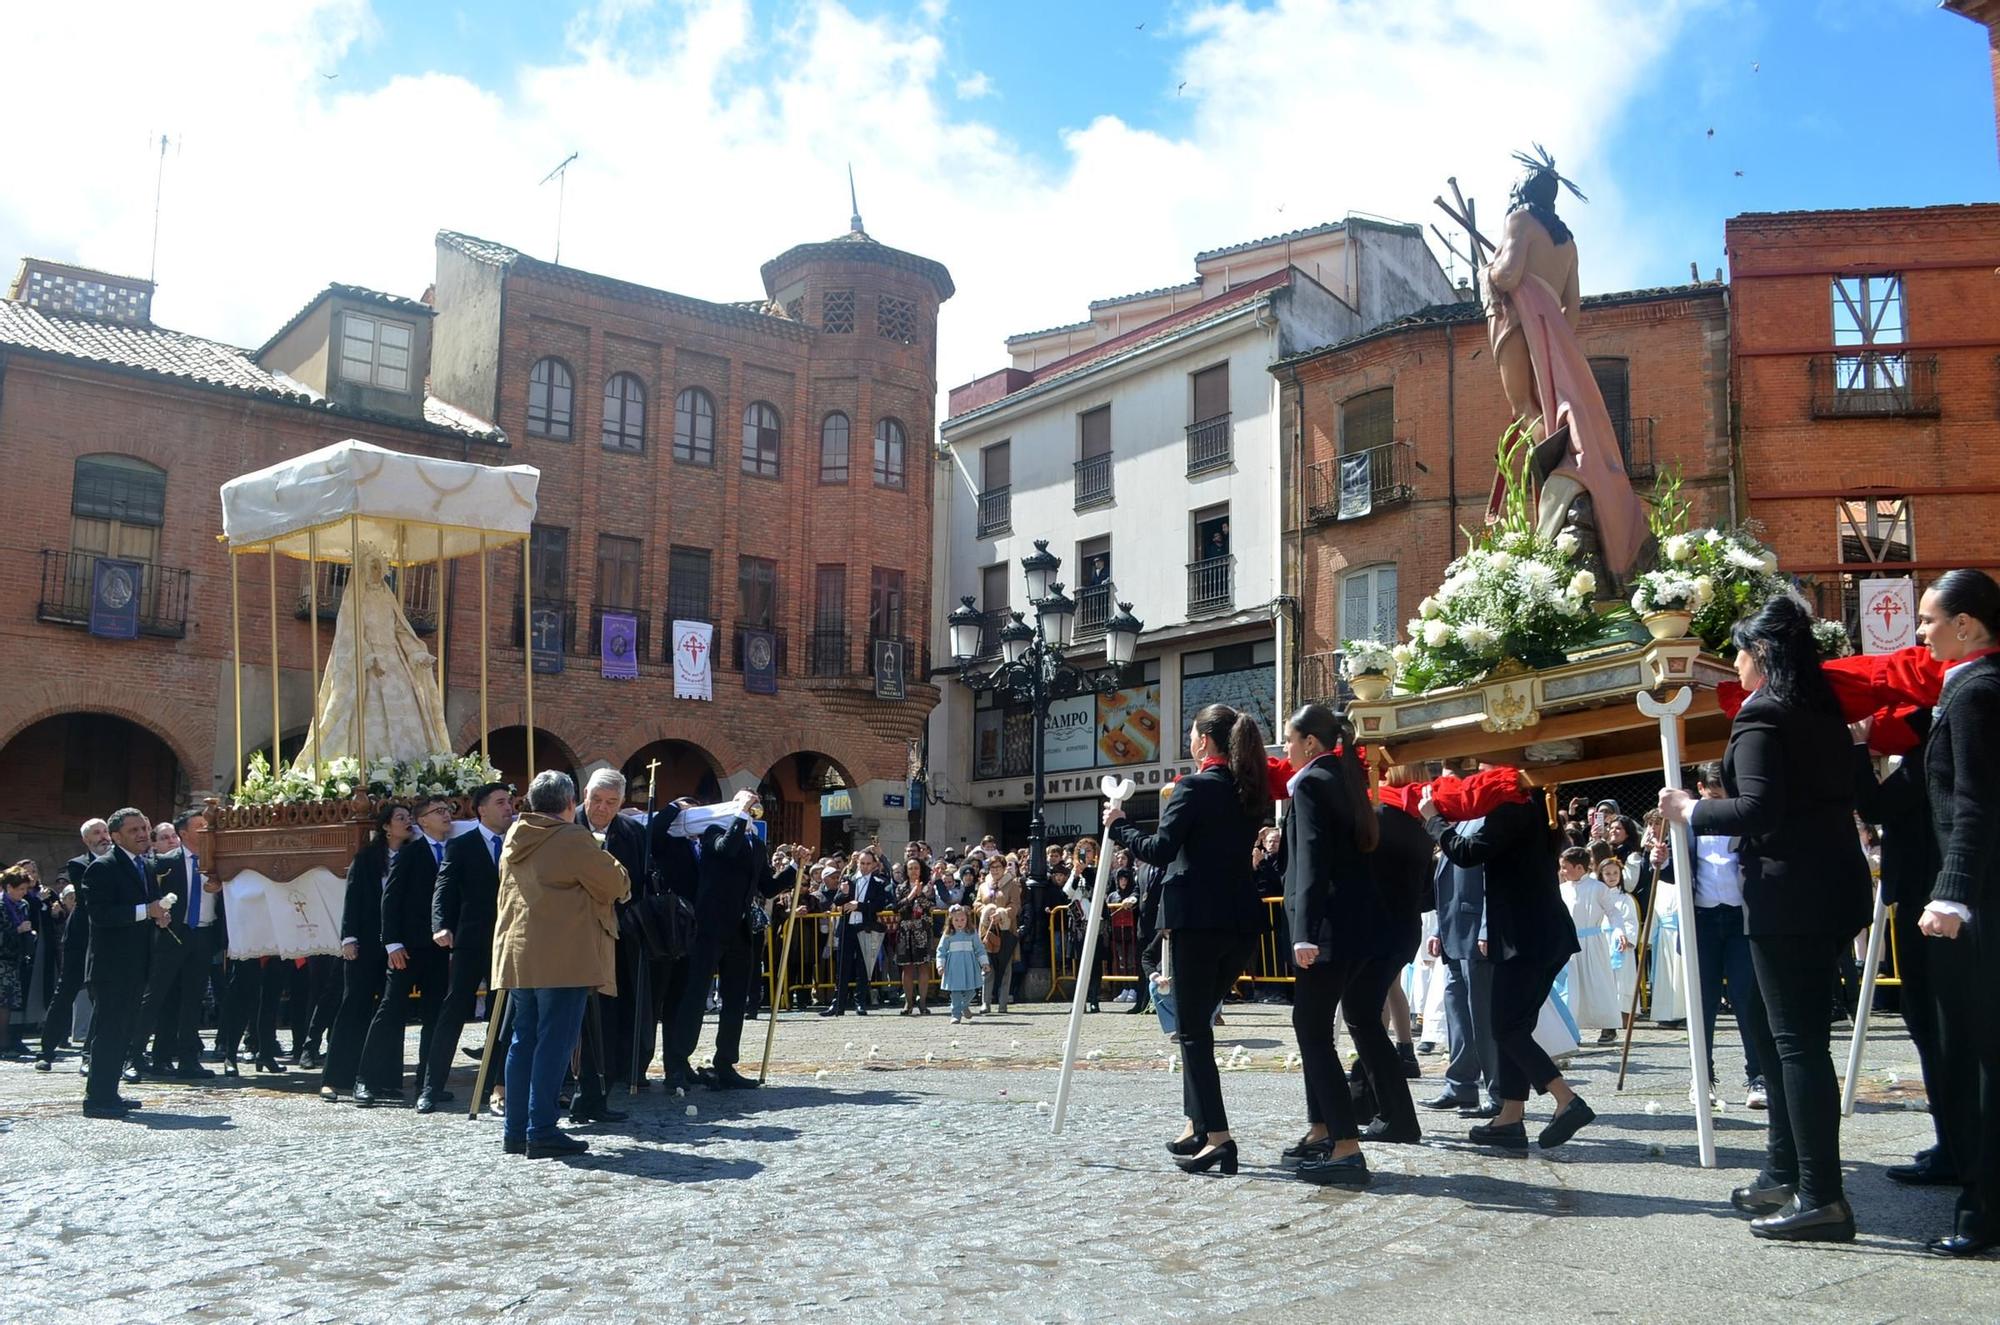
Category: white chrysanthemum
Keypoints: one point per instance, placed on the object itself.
(1429, 608)
(1478, 636)
(1501, 560)
(1414, 628)
(1677, 548)
(1743, 558)
(1437, 633)
(1582, 584)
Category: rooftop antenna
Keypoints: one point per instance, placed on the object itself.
(854, 221)
(561, 176)
(159, 184)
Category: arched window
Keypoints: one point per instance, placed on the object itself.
(888, 454)
(624, 413)
(694, 427)
(833, 448)
(760, 440)
(551, 399)
(117, 506)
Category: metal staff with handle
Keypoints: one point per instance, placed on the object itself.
(784, 967)
(1117, 791)
(1876, 929)
(1639, 966)
(1668, 715)
(496, 1022)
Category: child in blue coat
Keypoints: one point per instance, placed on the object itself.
(961, 961)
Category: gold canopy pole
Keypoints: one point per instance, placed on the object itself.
(236, 661)
(312, 613)
(437, 589)
(485, 755)
(528, 653)
(357, 730)
(271, 566)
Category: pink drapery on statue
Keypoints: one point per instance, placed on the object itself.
(1569, 398)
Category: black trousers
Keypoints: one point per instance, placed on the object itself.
(1206, 964)
(361, 983)
(1143, 946)
(173, 977)
(255, 987)
(1315, 1003)
(382, 1053)
(467, 965)
(322, 999)
(726, 955)
(69, 982)
(1917, 1000)
(1520, 987)
(115, 1015)
(1791, 1023)
(1967, 983)
(1361, 1006)
(850, 968)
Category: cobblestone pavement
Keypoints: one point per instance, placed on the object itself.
(903, 1167)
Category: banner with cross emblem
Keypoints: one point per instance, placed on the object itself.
(694, 673)
(1888, 614)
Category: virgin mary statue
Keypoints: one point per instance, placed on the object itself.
(401, 707)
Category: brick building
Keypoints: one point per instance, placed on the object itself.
(1865, 366)
(1420, 398)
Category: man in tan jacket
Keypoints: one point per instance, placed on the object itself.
(555, 940)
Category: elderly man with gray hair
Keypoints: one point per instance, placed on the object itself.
(554, 942)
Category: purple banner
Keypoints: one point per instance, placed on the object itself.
(619, 646)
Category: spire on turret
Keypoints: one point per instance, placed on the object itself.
(854, 221)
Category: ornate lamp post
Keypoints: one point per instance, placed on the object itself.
(1032, 669)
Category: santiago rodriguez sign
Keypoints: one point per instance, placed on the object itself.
(1060, 785)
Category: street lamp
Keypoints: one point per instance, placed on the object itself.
(1032, 669)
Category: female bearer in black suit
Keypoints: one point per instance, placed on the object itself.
(364, 968)
(1959, 620)
(1805, 894)
(1208, 903)
(1342, 944)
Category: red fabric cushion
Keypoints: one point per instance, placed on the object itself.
(1459, 799)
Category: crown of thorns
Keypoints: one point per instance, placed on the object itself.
(1540, 163)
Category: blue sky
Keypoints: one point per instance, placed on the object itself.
(1050, 153)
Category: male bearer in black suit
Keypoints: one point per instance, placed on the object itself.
(170, 1011)
(608, 1022)
(56, 1022)
(416, 962)
(117, 891)
(463, 907)
(735, 865)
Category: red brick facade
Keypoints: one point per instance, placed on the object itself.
(1814, 435)
(1448, 413)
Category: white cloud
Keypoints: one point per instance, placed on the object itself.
(710, 142)
(974, 86)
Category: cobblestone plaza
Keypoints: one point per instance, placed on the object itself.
(903, 1169)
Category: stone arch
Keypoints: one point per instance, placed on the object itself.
(56, 696)
(687, 768)
(508, 746)
(790, 789)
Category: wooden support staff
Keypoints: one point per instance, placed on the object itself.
(1639, 965)
(784, 966)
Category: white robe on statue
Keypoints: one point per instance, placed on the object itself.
(1593, 990)
(402, 709)
(1669, 993)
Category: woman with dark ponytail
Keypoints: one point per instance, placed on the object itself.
(1959, 621)
(1342, 945)
(1208, 904)
(1805, 895)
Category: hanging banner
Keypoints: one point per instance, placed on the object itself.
(547, 626)
(760, 662)
(694, 643)
(1069, 737)
(114, 599)
(1888, 614)
(889, 669)
(618, 646)
(1356, 489)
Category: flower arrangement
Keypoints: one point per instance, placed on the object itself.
(1728, 573)
(342, 779)
(1367, 657)
(1514, 595)
(1832, 638)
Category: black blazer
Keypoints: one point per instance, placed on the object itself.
(881, 896)
(361, 907)
(406, 902)
(1525, 916)
(120, 938)
(466, 897)
(1962, 780)
(1331, 897)
(625, 839)
(74, 867)
(170, 875)
(1897, 805)
(674, 863)
(735, 865)
(1789, 773)
(1460, 891)
(1203, 844)
(1401, 864)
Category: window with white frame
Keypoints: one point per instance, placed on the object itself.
(1368, 604)
(375, 351)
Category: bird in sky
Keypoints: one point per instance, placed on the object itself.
(1181, 88)
(1711, 133)
(329, 77)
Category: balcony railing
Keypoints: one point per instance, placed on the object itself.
(1093, 609)
(1874, 384)
(996, 511)
(1211, 585)
(827, 653)
(779, 642)
(1320, 681)
(1349, 487)
(1093, 481)
(1635, 445)
(67, 580)
(1208, 445)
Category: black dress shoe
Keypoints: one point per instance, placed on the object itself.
(1507, 1136)
(1490, 1109)
(1961, 1245)
(835, 1011)
(229, 1067)
(364, 1096)
(1761, 1197)
(513, 1147)
(329, 1094)
(43, 1064)
(556, 1147)
(443, 1096)
(1406, 1053)
(1189, 1145)
(131, 1072)
(1348, 1171)
(426, 1102)
(597, 1113)
(110, 1111)
(270, 1066)
(860, 1009)
(1408, 1134)
(1450, 1100)
(309, 1057)
(1302, 1150)
(1832, 1222)
(193, 1072)
(1569, 1120)
(1923, 1173)
(728, 1078)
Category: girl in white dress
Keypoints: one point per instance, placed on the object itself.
(1591, 991)
(1669, 997)
(1622, 915)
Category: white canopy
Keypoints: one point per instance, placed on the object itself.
(406, 504)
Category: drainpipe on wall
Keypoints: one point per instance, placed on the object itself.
(1451, 440)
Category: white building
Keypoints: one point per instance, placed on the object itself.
(1143, 446)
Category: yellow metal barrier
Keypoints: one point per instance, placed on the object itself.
(1272, 964)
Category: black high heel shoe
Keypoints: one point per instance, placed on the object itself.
(229, 1066)
(1224, 1155)
(270, 1065)
(1188, 1145)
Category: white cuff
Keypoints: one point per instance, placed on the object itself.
(1959, 909)
(355, 942)
(139, 911)
(393, 947)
